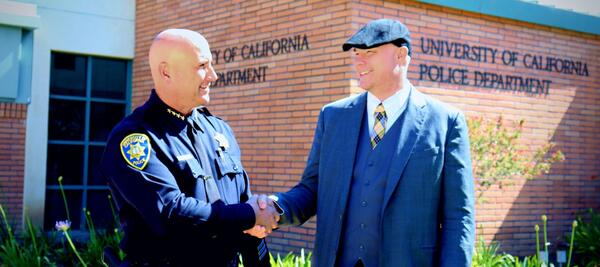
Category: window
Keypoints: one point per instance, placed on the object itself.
(88, 97)
(15, 64)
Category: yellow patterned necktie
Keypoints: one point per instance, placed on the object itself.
(379, 126)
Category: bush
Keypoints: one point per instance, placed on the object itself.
(529, 261)
(30, 250)
(290, 260)
(587, 239)
(35, 248)
(487, 255)
(498, 157)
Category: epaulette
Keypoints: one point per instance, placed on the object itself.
(205, 111)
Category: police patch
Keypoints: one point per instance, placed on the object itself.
(135, 148)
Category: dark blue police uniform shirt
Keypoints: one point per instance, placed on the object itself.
(157, 178)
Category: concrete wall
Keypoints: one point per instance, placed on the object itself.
(103, 28)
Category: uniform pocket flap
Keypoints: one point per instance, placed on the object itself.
(228, 165)
(195, 169)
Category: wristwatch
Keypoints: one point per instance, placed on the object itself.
(276, 204)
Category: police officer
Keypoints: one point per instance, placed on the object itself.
(175, 171)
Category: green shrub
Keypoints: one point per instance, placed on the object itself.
(290, 260)
(587, 239)
(498, 156)
(29, 250)
(529, 261)
(34, 248)
(487, 255)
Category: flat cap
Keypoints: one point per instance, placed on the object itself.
(379, 32)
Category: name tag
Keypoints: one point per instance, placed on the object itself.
(184, 157)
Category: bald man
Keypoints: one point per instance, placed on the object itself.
(175, 170)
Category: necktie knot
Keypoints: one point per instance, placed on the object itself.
(379, 108)
(379, 125)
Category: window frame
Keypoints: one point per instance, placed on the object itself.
(84, 187)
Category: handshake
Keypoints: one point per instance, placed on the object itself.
(267, 213)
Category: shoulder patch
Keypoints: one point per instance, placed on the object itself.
(136, 148)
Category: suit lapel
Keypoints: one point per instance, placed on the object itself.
(409, 132)
(350, 119)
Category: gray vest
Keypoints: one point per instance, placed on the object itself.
(361, 235)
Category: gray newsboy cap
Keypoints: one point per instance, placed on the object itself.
(379, 32)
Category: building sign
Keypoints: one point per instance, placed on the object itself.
(259, 49)
(493, 80)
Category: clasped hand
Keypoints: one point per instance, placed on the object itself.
(266, 215)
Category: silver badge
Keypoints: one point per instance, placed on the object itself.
(222, 140)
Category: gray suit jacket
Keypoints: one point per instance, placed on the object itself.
(428, 208)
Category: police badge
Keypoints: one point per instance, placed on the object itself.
(222, 141)
(135, 148)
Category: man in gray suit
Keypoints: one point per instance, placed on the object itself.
(389, 173)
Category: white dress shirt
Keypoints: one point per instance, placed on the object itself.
(393, 105)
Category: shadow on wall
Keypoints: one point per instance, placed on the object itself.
(568, 189)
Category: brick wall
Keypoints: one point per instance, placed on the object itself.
(12, 159)
(274, 118)
(567, 115)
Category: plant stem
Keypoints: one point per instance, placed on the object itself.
(90, 225)
(112, 209)
(73, 248)
(8, 229)
(33, 236)
(64, 196)
(546, 239)
(537, 240)
(571, 243)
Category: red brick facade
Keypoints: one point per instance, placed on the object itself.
(12, 159)
(275, 116)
